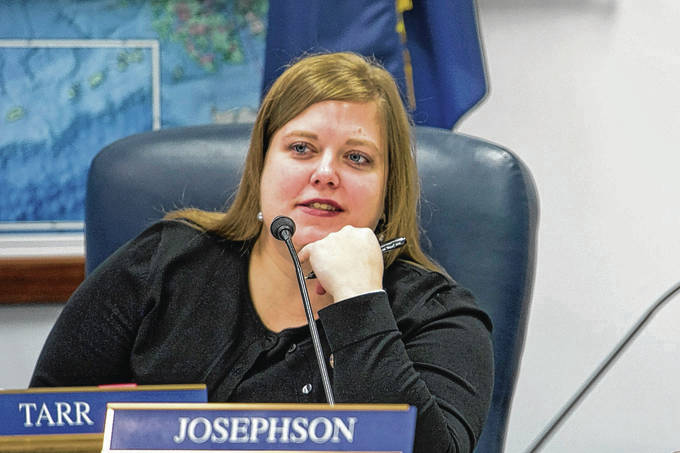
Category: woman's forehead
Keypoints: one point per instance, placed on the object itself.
(358, 120)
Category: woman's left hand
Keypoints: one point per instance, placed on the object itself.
(346, 263)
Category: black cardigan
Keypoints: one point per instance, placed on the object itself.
(173, 306)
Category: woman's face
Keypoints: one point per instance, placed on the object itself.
(326, 168)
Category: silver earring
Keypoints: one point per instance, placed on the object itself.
(380, 228)
(260, 217)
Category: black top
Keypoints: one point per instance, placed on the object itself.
(173, 306)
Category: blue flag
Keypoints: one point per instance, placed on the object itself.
(367, 27)
(445, 72)
(447, 59)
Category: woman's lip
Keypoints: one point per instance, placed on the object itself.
(307, 203)
(307, 208)
(318, 212)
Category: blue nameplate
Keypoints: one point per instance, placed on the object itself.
(79, 410)
(259, 427)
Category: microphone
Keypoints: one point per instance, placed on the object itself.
(604, 366)
(283, 228)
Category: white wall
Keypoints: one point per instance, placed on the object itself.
(587, 92)
(23, 329)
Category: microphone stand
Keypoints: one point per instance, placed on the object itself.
(600, 371)
(283, 229)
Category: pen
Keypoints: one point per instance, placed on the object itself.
(384, 247)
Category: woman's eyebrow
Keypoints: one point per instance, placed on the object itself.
(304, 134)
(361, 142)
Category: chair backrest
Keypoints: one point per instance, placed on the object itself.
(479, 215)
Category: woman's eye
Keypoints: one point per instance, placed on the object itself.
(357, 158)
(300, 148)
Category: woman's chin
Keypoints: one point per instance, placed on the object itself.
(307, 235)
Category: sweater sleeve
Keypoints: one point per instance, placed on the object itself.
(437, 357)
(91, 340)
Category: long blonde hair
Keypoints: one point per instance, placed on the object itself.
(324, 77)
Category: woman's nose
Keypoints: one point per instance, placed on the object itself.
(325, 173)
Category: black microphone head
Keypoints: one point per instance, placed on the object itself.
(282, 224)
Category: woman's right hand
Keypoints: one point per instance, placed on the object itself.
(347, 263)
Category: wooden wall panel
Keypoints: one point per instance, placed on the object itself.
(40, 279)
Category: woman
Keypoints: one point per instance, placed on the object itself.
(212, 298)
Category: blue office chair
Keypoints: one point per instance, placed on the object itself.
(479, 215)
